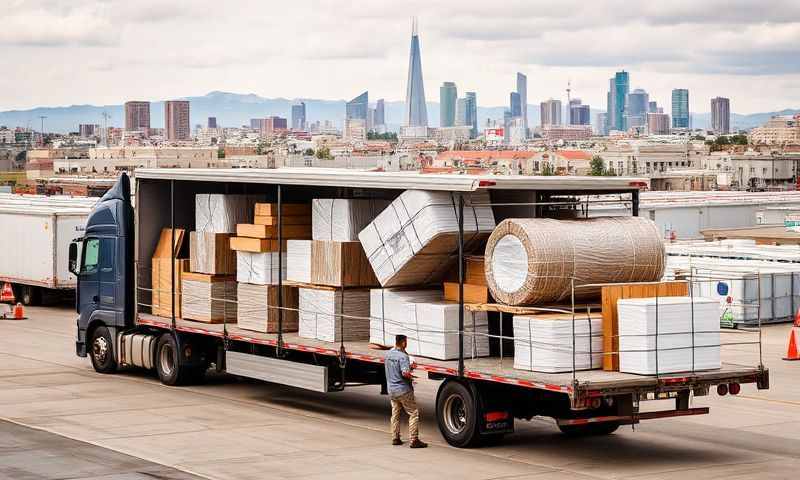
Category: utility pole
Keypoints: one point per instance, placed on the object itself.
(569, 104)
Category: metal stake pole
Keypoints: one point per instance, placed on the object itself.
(460, 285)
(172, 250)
(279, 344)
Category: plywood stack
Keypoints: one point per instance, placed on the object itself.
(334, 315)
(341, 219)
(261, 236)
(259, 268)
(257, 308)
(432, 331)
(210, 253)
(298, 258)
(544, 342)
(208, 298)
(340, 264)
(162, 278)
(414, 241)
(389, 313)
(216, 216)
(668, 335)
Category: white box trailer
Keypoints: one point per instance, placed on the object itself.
(36, 233)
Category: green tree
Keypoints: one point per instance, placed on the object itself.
(597, 166)
(309, 152)
(324, 153)
(221, 153)
(547, 170)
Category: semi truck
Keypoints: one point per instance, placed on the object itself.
(478, 400)
(36, 234)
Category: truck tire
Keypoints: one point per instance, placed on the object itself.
(171, 369)
(457, 413)
(589, 429)
(101, 351)
(28, 295)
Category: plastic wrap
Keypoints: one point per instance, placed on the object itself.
(334, 315)
(219, 213)
(341, 219)
(259, 268)
(533, 260)
(543, 342)
(413, 241)
(298, 260)
(685, 330)
(432, 331)
(388, 311)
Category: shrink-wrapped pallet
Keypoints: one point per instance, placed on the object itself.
(298, 260)
(415, 239)
(432, 331)
(211, 253)
(534, 260)
(259, 268)
(208, 298)
(544, 342)
(683, 336)
(219, 213)
(257, 308)
(389, 311)
(334, 315)
(340, 219)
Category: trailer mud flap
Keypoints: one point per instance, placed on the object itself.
(497, 421)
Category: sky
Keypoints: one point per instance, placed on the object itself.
(108, 51)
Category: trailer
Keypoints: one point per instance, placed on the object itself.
(37, 231)
(478, 398)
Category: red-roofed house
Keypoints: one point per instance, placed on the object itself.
(566, 162)
(508, 162)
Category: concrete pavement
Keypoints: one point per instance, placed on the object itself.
(239, 429)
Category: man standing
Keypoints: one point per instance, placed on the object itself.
(401, 391)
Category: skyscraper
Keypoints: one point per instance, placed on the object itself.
(522, 90)
(550, 112)
(448, 95)
(137, 116)
(637, 104)
(380, 115)
(515, 106)
(680, 108)
(652, 107)
(416, 111)
(721, 115)
(461, 117)
(299, 116)
(579, 114)
(357, 107)
(212, 122)
(176, 120)
(617, 94)
(472, 113)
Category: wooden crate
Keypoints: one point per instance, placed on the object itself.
(610, 294)
(472, 293)
(210, 253)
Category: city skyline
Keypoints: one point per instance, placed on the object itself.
(117, 41)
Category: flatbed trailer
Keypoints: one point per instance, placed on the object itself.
(479, 398)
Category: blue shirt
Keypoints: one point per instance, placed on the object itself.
(397, 363)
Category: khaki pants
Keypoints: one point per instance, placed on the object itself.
(408, 403)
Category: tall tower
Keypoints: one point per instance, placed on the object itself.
(416, 111)
(448, 95)
(522, 90)
(176, 120)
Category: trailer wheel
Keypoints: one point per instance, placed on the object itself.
(589, 429)
(29, 295)
(457, 413)
(171, 369)
(102, 351)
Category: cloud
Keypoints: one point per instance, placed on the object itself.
(47, 28)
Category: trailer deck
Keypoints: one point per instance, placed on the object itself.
(493, 369)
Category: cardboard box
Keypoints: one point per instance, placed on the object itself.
(210, 253)
(289, 209)
(340, 264)
(472, 293)
(271, 231)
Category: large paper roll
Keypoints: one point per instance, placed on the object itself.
(533, 260)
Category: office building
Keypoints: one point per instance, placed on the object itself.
(176, 120)
(299, 116)
(472, 113)
(256, 123)
(357, 107)
(652, 106)
(550, 112)
(522, 90)
(514, 105)
(657, 123)
(579, 114)
(637, 104)
(680, 108)
(602, 123)
(380, 113)
(448, 96)
(85, 130)
(416, 112)
(617, 94)
(721, 115)
(212, 122)
(137, 116)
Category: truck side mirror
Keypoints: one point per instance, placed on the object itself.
(73, 258)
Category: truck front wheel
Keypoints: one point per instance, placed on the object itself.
(102, 351)
(457, 413)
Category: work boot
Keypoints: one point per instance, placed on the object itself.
(397, 441)
(417, 443)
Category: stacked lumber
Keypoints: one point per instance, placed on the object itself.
(414, 241)
(162, 278)
(220, 213)
(334, 315)
(298, 259)
(261, 236)
(668, 335)
(389, 313)
(534, 260)
(341, 219)
(208, 298)
(260, 268)
(257, 308)
(475, 289)
(544, 342)
(432, 331)
(611, 294)
(210, 253)
(340, 264)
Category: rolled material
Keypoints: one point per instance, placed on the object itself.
(534, 260)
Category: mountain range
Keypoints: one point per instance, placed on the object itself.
(233, 109)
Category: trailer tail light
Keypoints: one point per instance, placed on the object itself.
(486, 183)
(641, 185)
(722, 389)
(734, 388)
(495, 416)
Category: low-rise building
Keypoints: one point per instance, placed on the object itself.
(553, 133)
(779, 130)
(113, 159)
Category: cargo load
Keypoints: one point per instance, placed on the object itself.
(388, 311)
(341, 219)
(219, 213)
(543, 342)
(334, 315)
(432, 331)
(257, 308)
(208, 298)
(259, 268)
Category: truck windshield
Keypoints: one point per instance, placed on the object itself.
(91, 255)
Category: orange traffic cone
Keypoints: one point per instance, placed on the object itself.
(792, 352)
(7, 293)
(19, 312)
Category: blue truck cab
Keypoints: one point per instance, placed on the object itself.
(104, 296)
